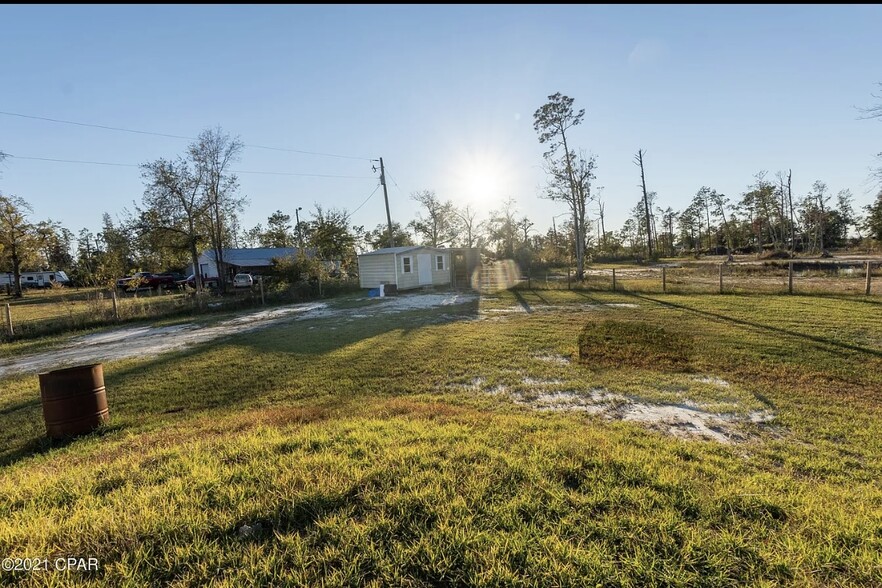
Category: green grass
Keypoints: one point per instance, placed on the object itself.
(369, 457)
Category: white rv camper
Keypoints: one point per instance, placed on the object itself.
(35, 279)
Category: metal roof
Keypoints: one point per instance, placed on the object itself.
(260, 256)
(397, 250)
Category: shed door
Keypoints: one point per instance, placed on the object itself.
(424, 265)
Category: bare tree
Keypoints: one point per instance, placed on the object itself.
(213, 153)
(638, 159)
(870, 113)
(468, 221)
(438, 227)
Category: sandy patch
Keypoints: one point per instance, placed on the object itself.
(685, 420)
(552, 358)
(712, 381)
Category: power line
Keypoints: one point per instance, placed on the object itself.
(233, 171)
(365, 201)
(393, 179)
(124, 130)
(72, 161)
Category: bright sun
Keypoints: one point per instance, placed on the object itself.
(482, 179)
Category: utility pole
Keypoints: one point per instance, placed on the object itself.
(386, 197)
(299, 234)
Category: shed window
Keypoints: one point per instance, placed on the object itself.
(439, 263)
(405, 265)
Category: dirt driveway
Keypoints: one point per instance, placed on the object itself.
(145, 341)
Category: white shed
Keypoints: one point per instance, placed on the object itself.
(406, 267)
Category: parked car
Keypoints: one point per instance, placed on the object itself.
(206, 281)
(145, 280)
(243, 281)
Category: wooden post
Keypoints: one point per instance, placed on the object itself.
(9, 329)
(614, 279)
(721, 278)
(790, 278)
(115, 307)
(569, 285)
(868, 278)
(262, 300)
(664, 280)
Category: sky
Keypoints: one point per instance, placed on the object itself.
(444, 94)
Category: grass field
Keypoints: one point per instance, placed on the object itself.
(412, 450)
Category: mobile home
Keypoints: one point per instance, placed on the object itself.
(42, 279)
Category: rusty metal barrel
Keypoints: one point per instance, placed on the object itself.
(74, 400)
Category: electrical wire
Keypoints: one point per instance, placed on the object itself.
(167, 135)
(363, 203)
(11, 156)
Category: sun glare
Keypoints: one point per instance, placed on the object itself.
(483, 179)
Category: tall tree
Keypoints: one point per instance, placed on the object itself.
(330, 235)
(875, 112)
(638, 159)
(439, 225)
(213, 154)
(503, 228)
(560, 188)
(53, 245)
(278, 231)
(467, 218)
(552, 121)
(873, 220)
(176, 204)
(379, 237)
(16, 235)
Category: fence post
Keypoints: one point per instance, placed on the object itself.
(721, 278)
(115, 307)
(9, 329)
(790, 278)
(664, 280)
(868, 278)
(262, 301)
(569, 285)
(614, 279)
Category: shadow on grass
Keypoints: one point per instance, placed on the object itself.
(43, 444)
(278, 359)
(522, 301)
(821, 342)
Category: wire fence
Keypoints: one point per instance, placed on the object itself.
(724, 278)
(60, 310)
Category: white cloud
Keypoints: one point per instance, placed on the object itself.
(648, 52)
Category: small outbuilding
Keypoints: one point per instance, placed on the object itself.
(417, 267)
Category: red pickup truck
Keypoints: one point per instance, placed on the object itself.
(141, 280)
